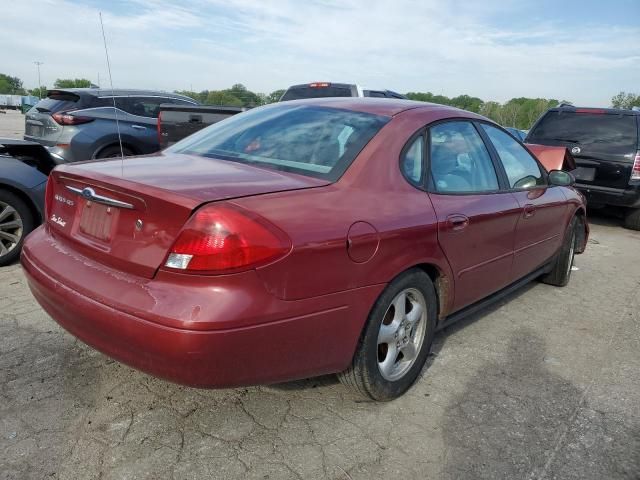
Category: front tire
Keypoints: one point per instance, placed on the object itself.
(632, 219)
(395, 342)
(561, 272)
(16, 222)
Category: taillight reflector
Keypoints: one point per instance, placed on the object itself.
(226, 239)
(635, 171)
(67, 119)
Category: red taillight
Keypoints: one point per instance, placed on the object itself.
(635, 171)
(48, 197)
(595, 111)
(68, 119)
(225, 239)
(319, 85)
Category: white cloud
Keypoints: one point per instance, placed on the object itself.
(425, 45)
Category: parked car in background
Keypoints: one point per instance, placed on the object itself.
(80, 123)
(606, 148)
(224, 261)
(176, 122)
(329, 89)
(519, 134)
(24, 167)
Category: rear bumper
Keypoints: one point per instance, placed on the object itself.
(598, 195)
(204, 332)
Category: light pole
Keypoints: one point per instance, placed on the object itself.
(39, 82)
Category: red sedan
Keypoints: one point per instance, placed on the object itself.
(300, 239)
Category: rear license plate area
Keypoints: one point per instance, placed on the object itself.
(584, 173)
(97, 221)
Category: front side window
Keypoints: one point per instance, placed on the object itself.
(315, 141)
(459, 160)
(522, 170)
(411, 161)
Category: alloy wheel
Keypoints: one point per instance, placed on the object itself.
(11, 229)
(401, 334)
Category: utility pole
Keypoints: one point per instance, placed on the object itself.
(39, 82)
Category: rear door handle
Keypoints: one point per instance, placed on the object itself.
(457, 222)
(138, 127)
(529, 210)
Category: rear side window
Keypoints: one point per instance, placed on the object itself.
(459, 160)
(587, 128)
(141, 106)
(316, 141)
(58, 102)
(411, 161)
(298, 93)
(522, 170)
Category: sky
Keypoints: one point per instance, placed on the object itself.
(582, 51)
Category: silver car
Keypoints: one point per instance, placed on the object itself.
(80, 123)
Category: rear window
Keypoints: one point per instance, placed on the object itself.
(315, 141)
(298, 93)
(58, 102)
(586, 128)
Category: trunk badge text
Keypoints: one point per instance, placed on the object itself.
(64, 200)
(58, 220)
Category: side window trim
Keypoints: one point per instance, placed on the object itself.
(493, 151)
(430, 185)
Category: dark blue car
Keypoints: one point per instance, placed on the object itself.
(24, 167)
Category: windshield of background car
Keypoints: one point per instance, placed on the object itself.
(314, 141)
(316, 92)
(58, 102)
(598, 130)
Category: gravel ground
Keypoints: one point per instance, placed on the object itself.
(543, 385)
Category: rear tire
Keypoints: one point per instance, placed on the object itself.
(113, 151)
(561, 271)
(16, 222)
(396, 339)
(632, 219)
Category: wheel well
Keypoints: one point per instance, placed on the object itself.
(441, 283)
(37, 217)
(126, 145)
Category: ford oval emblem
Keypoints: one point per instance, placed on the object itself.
(576, 150)
(88, 193)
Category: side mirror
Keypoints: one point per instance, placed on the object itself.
(561, 178)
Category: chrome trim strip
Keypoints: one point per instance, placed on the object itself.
(90, 194)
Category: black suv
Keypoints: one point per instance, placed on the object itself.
(606, 147)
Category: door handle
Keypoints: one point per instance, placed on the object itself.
(529, 210)
(457, 222)
(138, 127)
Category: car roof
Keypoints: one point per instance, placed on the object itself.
(377, 106)
(606, 111)
(100, 92)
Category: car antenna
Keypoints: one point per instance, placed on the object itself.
(113, 97)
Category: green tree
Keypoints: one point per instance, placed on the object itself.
(625, 100)
(274, 96)
(38, 92)
(11, 85)
(72, 83)
(223, 97)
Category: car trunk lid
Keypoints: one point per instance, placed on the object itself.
(127, 214)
